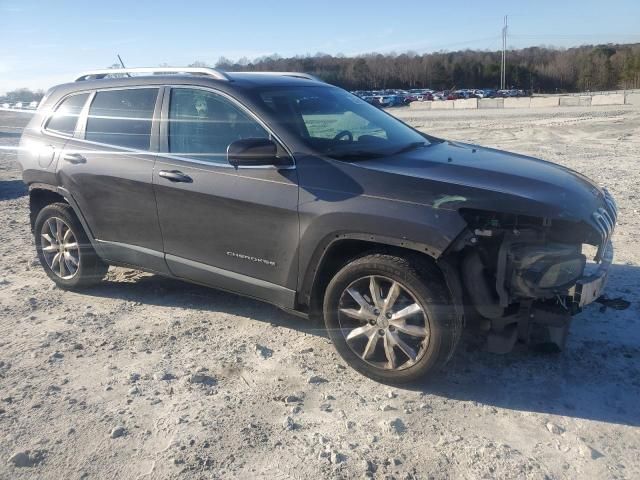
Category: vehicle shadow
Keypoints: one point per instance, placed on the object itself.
(168, 292)
(12, 189)
(597, 377)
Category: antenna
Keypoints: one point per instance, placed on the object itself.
(122, 63)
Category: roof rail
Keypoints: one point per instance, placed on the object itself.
(284, 74)
(99, 74)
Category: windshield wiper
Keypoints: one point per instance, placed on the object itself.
(411, 146)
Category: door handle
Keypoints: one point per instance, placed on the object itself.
(175, 176)
(74, 158)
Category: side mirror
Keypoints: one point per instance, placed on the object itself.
(253, 152)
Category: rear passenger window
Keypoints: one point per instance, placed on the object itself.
(65, 117)
(122, 117)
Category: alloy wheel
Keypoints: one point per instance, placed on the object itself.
(60, 248)
(383, 323)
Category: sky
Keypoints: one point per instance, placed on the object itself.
(43, 43)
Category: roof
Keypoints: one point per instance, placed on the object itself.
(227, 81)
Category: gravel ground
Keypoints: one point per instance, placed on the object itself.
(145, 377)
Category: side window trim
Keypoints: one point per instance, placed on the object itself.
(163, 143)
(156, 122)
(164, 129)
(47, 118)
(81, 126)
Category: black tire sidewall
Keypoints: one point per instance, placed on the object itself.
(88, 272)
(432, 297)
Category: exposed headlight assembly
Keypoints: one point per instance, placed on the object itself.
(544, 270)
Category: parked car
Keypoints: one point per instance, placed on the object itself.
(425, 97)
(384, 100)
(262, 184)
(369, 99)
(463, 94)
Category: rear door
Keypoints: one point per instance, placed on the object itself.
(108, 169)
(232, 229)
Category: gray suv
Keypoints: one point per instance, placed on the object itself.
(283, 188)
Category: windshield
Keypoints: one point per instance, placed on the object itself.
(338, 124)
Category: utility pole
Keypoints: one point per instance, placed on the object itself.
(503, 66)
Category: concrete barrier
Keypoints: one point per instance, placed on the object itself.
(442, 105)
(570, 101)
(466, 104)
(537, 102)
(613, 99)
(491, 103)
(633, 99)
(420, 105)
(514, 102)
(585, 100)
(533, 102)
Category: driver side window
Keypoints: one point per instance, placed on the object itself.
(202, 124)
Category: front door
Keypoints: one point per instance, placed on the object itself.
(232, 229)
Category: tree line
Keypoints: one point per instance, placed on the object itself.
(539, 69)
(24, 95)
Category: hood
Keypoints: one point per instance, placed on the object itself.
(470, 176)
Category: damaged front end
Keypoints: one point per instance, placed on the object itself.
(524, 277)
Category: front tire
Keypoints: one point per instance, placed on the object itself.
(64, 250)
(391, 319)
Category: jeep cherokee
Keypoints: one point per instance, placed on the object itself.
(283, 188)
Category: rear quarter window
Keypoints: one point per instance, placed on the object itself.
(122, 117)
(65, 116)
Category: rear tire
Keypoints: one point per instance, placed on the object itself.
(64, 250)
(390, 318)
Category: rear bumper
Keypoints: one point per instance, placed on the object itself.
(589, 287)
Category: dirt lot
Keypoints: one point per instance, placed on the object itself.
(145, 377)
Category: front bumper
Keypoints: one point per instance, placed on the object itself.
(589, 287)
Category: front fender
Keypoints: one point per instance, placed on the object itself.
(411, 226)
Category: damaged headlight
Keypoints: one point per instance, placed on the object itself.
(563, 273)
(541, 270)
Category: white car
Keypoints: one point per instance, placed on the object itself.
(384, 100)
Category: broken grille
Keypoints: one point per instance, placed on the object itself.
(605, 219)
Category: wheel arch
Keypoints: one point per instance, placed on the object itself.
(41, 195)
(338, 249)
